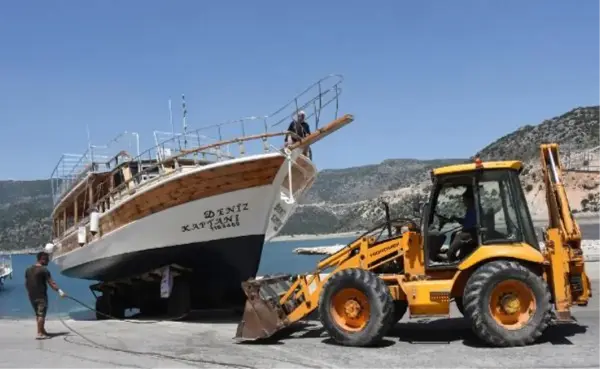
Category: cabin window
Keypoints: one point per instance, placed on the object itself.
(529, 233)
(497, 211)
(449, 202)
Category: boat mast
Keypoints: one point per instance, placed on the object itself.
(184, 121)
(89, 139)
(171, 118)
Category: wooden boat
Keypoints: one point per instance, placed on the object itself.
(187, 201)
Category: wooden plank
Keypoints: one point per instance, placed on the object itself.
(323, 132)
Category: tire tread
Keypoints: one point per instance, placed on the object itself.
(381, 309)
(473, 304)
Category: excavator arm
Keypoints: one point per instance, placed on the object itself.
(565, 274)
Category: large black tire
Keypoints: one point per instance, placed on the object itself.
(378, 298)
(477, 299)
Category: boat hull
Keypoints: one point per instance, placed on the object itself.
(220, 238)
(217, 267)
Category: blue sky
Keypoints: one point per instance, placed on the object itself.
(424, 79)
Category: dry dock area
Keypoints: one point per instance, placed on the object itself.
(441, 343)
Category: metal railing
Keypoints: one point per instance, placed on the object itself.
(217, 142)
(72, 168)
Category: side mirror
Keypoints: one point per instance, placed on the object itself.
(386, 206)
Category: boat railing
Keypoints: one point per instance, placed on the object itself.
(227, 140)
(72, 168)
(169, 144)
(312, 101)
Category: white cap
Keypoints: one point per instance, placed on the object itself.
(49, 248)
(299, 113)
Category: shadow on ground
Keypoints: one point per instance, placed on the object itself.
(445, 331)
(439, 331)
(204, 316)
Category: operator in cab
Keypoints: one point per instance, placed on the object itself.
(467, 235)
(299, 129)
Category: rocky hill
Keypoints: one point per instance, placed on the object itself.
(25, 207)
(344, 200)
(347, 199)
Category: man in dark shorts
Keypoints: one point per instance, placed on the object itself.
(37, 277)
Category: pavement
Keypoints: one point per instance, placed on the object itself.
(435, 343)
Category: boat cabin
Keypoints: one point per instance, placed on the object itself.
(94, 189)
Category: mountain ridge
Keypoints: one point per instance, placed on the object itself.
(347, 199)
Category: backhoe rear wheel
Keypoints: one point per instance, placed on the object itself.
(507, 304)
(356, 307)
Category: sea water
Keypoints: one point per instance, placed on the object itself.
(277, 257)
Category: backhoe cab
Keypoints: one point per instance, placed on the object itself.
(475, 244)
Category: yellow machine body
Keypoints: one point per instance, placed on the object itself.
(414, 283)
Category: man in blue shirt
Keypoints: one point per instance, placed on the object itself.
(467, 234)
(470, 219)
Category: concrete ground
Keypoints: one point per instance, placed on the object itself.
(441, 343)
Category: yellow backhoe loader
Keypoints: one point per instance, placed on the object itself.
(494, 269)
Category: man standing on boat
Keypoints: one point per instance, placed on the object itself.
(37, 277)
(300, 129)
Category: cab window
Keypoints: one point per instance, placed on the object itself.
(498, 215)
(449, 205)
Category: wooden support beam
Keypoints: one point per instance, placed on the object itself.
(323, 132)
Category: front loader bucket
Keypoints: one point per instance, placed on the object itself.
(263, 315)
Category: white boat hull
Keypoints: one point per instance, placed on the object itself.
(220, 237)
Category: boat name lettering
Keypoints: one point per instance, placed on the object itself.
(277, 223)
(215, 224)
(279, 209)
(221, 218)
(233, 209)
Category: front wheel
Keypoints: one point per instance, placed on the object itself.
(507, 304)
(356, 307)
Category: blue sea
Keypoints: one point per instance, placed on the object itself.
(277, 257)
